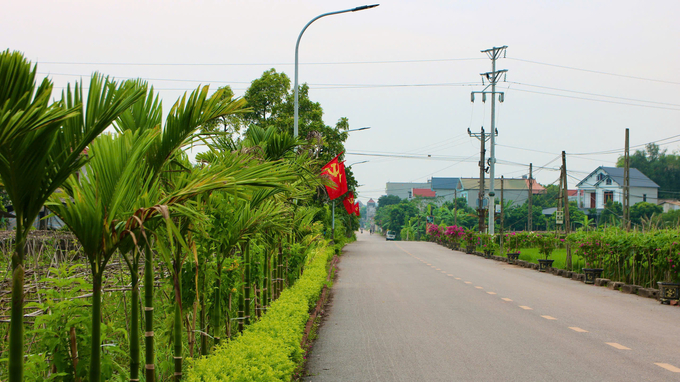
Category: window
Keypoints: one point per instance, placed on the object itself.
(600, 176)
(609, 181)
(608, 196)
(644, 197)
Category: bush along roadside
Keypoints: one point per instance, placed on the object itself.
(633, 262)
(269, 349)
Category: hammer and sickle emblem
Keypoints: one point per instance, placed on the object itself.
(334, 171)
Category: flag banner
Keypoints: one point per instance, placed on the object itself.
(357, 210)
(335, 171)
(349, 202)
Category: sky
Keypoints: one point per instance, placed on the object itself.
(579, 72)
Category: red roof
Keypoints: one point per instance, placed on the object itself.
(536, 188)
(572, 192)
(426, 192)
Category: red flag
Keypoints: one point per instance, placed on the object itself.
(349, 202)
(335, 171)
(356, 210)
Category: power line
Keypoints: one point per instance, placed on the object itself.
(594, 94)
(614, 151)
(258, 64)
(593, 99)
(595, 71)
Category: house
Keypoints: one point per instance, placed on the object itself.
(515, 190)
(403, 189)
(606, 184)
(669, 205)
(446, 189)
(422, 192)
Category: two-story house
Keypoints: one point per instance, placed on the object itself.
(606, 183)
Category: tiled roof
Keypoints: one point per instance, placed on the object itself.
(425, 192)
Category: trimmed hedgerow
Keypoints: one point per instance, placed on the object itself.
(269, 350)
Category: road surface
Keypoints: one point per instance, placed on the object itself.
(416, 311)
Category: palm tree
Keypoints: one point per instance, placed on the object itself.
(41, 145)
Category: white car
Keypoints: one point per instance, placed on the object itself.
(390, 235)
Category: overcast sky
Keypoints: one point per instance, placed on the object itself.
(579, 72)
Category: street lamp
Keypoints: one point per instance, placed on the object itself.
(363, 161)
(297, 46)
(359, 129)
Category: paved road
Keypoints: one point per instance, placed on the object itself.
(414, 311)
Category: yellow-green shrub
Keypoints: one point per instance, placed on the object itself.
(269, 350)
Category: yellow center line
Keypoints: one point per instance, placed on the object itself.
(618, 346)
(450, 275)
(443, 271)
(668, 367)
(428, 263)
(438, 269)
(491, 292)
(525, 307)
(458, 278)
(478, 287)
(468, 282)
(577, 329)
(549, 317)
(506, 299)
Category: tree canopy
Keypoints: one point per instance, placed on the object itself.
(659, 166)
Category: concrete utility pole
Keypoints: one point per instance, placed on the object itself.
(482, 170)
(455, 207)
(530, 210)
(502, 209)
(626, 185)
(493, 76)
(567, 227)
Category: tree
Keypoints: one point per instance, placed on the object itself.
(612, 213)
(266, 97)
(547, 199)
(643, 211)
(387, 200)
(41, 145)
(659, 166)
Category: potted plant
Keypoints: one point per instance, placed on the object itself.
(590, 249)
(546, 243)
(433, 232)
(670, 289)
(453, 234)
(513, 243)
(470, 238)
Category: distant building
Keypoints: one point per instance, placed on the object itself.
(515, 190)
(606, 183)
(403, 189)
(422, 192)
(446, 189)
(669, 205)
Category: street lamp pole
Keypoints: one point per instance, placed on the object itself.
(297, 46)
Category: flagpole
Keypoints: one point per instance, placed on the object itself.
(333, 224)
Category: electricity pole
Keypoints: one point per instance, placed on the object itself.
(455, 207)
(567, 260)
(482, 170)
(502, 210)
(493, 76)
(626, 185)
(531, 193)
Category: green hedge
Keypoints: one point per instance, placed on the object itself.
(269, 350)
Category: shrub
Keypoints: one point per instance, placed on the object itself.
(269, 350)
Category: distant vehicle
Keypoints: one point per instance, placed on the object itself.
(390, 235)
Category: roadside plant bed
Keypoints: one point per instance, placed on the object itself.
(268, 350)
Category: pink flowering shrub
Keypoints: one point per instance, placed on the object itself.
(454, 233)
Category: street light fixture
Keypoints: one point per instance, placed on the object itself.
(297, 46)
(363, 161)
(359, 129)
